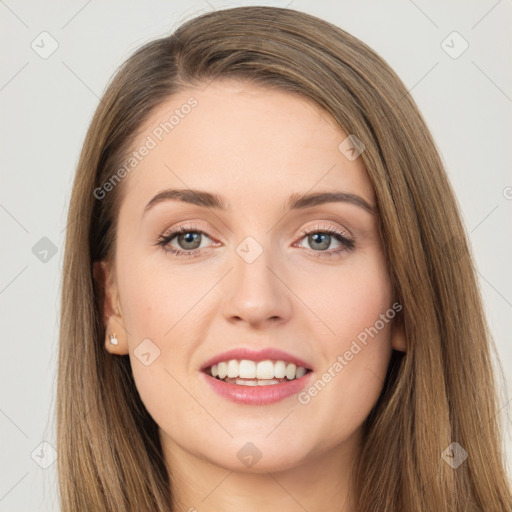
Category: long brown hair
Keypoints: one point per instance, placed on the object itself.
(442, 391)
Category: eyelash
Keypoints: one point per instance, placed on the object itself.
(347, 243)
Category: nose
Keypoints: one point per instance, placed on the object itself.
(257, 293)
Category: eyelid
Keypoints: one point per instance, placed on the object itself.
(169, 234)
(326, 228)
(187, 226)
(303, 230)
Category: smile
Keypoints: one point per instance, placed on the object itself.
(246, 372)
(256, 377)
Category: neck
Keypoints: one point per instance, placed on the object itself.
(318, 484)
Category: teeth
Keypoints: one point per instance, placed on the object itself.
(300, 372)
(265, 370)
(255, 382)
(223, 370)
(247, 369)
(290, 371)
(262, 373)
(233, 369)
(279, 369)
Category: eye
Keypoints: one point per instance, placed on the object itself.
(188, 239)
(320, 240)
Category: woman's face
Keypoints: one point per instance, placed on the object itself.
(261, 273)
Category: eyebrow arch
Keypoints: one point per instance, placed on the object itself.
(295, 202)
(300, 201)
(191, 196)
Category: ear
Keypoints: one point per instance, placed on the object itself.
(108, 300)
(398, 339)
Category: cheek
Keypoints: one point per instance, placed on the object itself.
(159, 308)
(356, 305)
(348, 386)
(155, 299)
(347, 299)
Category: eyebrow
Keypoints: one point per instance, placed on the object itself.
(295, 202)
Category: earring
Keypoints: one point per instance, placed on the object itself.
(114, 340)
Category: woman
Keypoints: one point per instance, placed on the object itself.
(269, 302)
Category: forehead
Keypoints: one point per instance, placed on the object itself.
(244, 142)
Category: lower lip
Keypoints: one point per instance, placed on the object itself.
(257, 395)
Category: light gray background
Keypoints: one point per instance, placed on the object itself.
(47, 104)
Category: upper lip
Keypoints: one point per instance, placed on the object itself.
(273, 354)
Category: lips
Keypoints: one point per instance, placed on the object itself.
(254, 377)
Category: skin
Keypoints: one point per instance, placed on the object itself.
(255, 147)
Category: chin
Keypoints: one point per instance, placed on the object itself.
(259, 456)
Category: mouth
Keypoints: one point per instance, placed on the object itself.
(256, 377)
(246, 372)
